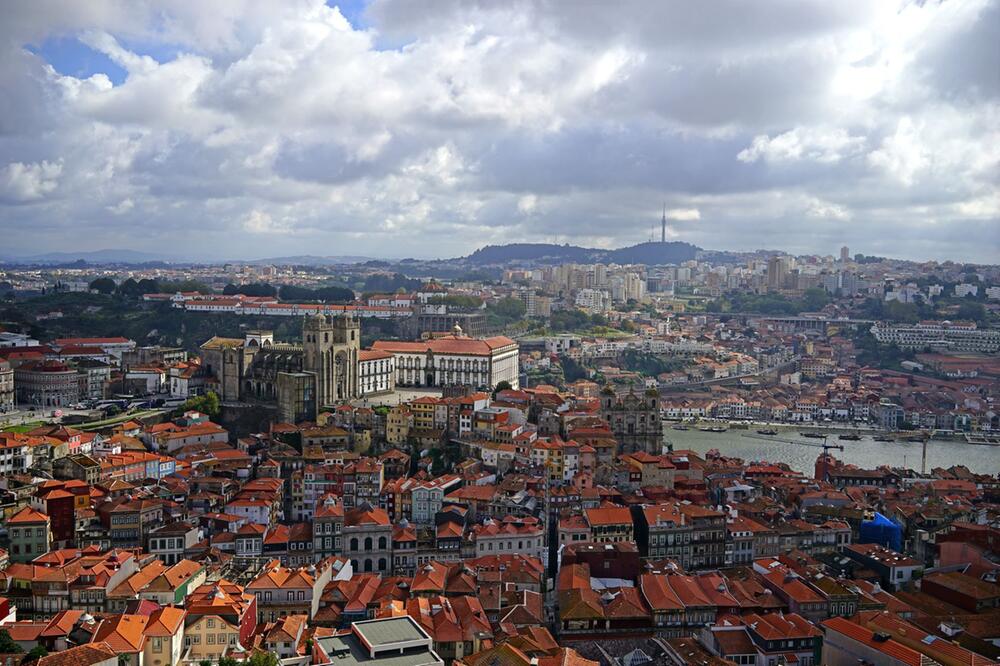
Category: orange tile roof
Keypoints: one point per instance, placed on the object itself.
(123, 632)
(81, 655)
(866, 636)
(448, 344)
(27, 516)
(165, 621)
(609, 515)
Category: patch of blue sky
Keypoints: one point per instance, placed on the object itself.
(71, 57)
(356, 13)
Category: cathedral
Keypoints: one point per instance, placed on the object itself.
(301, 379)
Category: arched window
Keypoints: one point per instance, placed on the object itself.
(381, 564)
(354, 544)
(368, 564)
(368, 543)
(381, 543)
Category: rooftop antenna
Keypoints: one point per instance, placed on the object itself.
(663, 224)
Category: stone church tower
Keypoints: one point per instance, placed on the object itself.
(330, 348)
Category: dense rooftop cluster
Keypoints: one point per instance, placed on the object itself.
(488, 484)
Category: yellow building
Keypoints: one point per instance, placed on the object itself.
(398, 423)
(423, 412)
(209, 637)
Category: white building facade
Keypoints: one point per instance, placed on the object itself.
(454, 359)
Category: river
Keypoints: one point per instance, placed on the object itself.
(865, 453)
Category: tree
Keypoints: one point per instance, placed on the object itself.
(228, 661)
(103, 285)
(510, 309)
(172, 287)
(37, 652)
(206, 404)
(572, 371)
(972, 311)
(7, 644)
(147, 286)
(129, 289)
(460, 301)
(814, 299)
(205, 662)
(328, 294)
(502, 385)
(263, 659)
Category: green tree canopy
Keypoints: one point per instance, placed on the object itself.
(255, 289)
(206, 404)
(103, 285)
(7, 644)
(503, 385)
(457, 301)
(973, 312)
(510, 309)
(37, 652)
(129, 289)
(263, 659)
(327, 294)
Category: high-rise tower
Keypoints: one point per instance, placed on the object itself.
(663, 225)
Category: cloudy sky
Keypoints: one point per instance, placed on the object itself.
(228, 129)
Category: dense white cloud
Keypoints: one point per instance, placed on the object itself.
(27, 182)
(812, 144)
(253, 128)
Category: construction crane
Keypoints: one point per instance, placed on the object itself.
(798, 442)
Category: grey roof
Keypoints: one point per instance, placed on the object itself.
(348, 651)
(379, 633)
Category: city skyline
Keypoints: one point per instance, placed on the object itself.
(389, 129)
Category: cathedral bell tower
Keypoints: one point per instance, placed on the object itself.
(330, 348)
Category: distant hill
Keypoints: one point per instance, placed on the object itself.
(310, 260)
(547, 253)
(92, 257)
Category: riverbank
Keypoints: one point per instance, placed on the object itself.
(831, 429)
(800, 453)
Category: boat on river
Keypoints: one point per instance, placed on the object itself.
(767, 432)
(850, 437)
(713, 429)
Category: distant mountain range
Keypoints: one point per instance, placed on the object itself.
(548, 253)
(489, 256)
(310, 260)
(92, 257)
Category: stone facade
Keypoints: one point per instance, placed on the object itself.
(300, 378)
(634, 419)
(6, 387)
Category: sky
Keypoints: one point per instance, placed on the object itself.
(392, 128)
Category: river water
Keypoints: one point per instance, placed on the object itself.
(865, 453)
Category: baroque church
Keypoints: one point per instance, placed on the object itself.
(635, 419)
